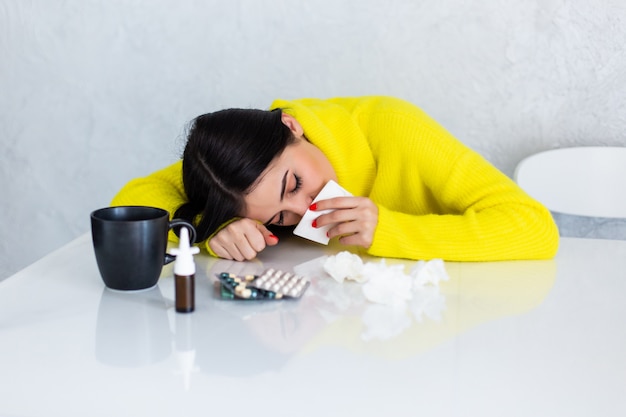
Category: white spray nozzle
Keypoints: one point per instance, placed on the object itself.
(184, 265)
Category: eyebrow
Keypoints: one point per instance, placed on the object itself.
(282, 190)
(282, 194)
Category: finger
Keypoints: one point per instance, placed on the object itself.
(335, 203)
(240, 240)
(354, 233)
(343, 229)
(354, 238)
(336, 216)
(269, 238)
(341, 215)
(365, 214)
(220, 250)
(247, 251)
(252, 239)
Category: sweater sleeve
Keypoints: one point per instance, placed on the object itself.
(439, 199)
(163, 189)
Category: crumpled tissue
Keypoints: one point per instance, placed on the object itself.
(430, 272)
(382, 283)
(345, 265)
(386, 284)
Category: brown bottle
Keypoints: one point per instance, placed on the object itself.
(184, 273)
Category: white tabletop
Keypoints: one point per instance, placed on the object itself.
(531, 338)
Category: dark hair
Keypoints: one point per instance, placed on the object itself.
(225, 154)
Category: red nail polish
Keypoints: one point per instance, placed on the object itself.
(314, 224)
(274, 237)
(313, 207)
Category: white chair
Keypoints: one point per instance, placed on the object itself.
(583, 187)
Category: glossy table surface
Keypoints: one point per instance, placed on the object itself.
(530, 338)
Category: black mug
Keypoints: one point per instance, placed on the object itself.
(130, 244)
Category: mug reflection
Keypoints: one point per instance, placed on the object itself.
(132, 328)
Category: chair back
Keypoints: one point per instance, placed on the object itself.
(583, 187)
(583, 181)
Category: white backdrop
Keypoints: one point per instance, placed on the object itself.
(96, 92)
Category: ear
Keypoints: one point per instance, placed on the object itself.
(291, 122)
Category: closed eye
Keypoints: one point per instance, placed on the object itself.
(279, 222)
(297, 185)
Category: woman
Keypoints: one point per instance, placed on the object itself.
(418, 192)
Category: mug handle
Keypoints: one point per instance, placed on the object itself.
(192, 236)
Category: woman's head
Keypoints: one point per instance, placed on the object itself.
(249, 163)
(225, 154)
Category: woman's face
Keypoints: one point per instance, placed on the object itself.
(291, 181)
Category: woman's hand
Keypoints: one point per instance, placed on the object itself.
(242, 240)
(356, 219)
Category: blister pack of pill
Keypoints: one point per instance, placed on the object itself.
(272, 284)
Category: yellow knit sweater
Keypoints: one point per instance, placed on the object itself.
(436, 197)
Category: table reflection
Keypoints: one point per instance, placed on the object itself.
(241, 338)
(132, 328)
(334, 314)
(476, 295)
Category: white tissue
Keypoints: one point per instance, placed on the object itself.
(430, 272)
(344, 265)
(389, 284)
(395, 295)
(305, 228)
(390, 287)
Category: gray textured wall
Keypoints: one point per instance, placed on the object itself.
(96, 92)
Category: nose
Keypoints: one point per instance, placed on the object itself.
(300, 205)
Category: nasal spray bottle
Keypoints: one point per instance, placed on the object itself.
(184, 273)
